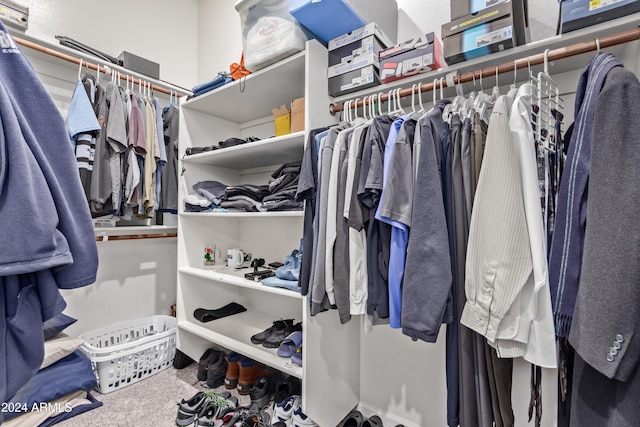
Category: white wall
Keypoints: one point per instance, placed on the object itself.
(219, 37)
(163, 31)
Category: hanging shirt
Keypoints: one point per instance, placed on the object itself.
(354, 214)
(427, 276)
(398, 238)
(47, 233)
(169, 187)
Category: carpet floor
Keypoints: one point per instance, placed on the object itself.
(148, 403)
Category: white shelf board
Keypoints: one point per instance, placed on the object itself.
(134, 230)
(274, 214)
(234, 277)
(254, 96)
(266, 152)
(509, 55)
(234, 333)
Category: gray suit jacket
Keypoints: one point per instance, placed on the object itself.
(606, 320)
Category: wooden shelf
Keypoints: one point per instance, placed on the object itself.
(234, 333)
(266, 152)
(236, 278)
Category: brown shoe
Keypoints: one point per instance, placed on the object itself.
(233, 370)
(250, 371)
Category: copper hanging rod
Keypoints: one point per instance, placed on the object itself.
(102, 69)
(107, 238)
(552, 55)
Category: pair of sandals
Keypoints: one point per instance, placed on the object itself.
(229, 142)
(291, 347)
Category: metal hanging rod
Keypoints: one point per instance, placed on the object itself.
(107, 238)
(140, 81)
(552, 55)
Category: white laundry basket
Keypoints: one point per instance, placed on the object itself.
(127, 352)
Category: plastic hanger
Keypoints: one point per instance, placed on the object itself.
(413, 98)
(495, 92)
(515, 71)
(422, 110)
(380, 103)
(442, 81)
(80, 70)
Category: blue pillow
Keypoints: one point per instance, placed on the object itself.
(53, 327)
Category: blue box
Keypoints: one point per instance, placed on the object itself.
(329, 19)
(576, 14)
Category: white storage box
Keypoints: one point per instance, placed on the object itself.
(128, 352)
(269, 32)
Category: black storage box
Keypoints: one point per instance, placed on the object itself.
(140, 65)
(491, 30)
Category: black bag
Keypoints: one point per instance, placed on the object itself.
(181, 360)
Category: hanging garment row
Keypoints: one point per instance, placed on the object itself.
(126, 147)
(417, 218)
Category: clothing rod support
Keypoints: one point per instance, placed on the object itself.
(552, 55)
(102, 69)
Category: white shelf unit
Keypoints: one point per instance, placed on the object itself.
(331, 356)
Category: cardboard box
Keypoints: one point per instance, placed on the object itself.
(297, 115)
(140, 65)
(461, 8)
(329, 19)
(356, 50)
(412, 57)
(356, 63)
(354, 81)
(371, 29)
(576, 14)
(493, 29)
(282, 120)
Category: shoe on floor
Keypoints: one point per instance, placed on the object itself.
(250, 371)
(209, 356)
(301, 420)
(264, 389)
(233, 370)
(188, 409)
(353, 419)
(210, 415)
(275, 339)
(287, 387)
(276, 326)
(284, 410)
(217, 371)
(373, 421)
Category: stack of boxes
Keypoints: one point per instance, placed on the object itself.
(481, 27)
(353, 59)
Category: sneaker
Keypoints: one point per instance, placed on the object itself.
(284, 410)
(233, 370)
(209, 356)
(211, 413)
(188, 409)
(301, 420)
(353, 419)
(278, 325)
(256, 419)
(217, 371)
(287, 387)
(250, 371)
(263, 389)
(275, 339)
(372, 421)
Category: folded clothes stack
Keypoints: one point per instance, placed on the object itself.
(282, 189)
(220, 80)
(209, 195)
(288, 274)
